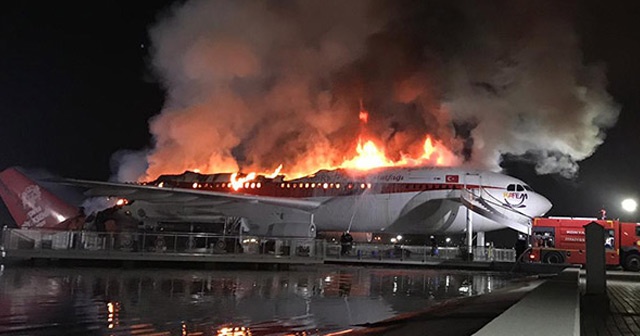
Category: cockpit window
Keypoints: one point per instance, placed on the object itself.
(519, 188)
(511, 187)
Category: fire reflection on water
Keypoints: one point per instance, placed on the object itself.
(233, 331)
(182, 302)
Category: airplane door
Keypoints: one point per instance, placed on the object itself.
(369, 211)
(473, 185)
(373, 210)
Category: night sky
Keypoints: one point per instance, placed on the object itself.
(76, 86)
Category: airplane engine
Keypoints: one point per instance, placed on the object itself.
(303, 230)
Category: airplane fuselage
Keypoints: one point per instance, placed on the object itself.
(403, 200)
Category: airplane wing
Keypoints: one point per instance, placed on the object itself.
(166, 194)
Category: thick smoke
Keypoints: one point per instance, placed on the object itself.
(130, 165)
(251, 85)
(522, 80)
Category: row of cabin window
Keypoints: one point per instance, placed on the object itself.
(254, 185)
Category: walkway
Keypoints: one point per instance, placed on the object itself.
(617, 314)
(505, 312)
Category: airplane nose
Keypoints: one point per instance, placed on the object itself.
(544, 205)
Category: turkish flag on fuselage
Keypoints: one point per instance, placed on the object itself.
(451, 178)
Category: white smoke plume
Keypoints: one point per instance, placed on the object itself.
(529, 92)
(254, 84)
(93, 205)
(129, 165)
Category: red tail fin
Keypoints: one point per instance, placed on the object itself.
(32, 206)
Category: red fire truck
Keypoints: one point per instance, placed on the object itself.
(559, 240)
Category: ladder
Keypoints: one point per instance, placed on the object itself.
(485, 204)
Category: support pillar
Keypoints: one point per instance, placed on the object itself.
(480, 239)
(469, 255)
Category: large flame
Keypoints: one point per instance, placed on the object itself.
(276, 172)
(440, 152)
(369, 154)
(363, 115)
(237, 182)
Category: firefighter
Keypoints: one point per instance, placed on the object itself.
(345, 243)
(434, 246)
(521, 245)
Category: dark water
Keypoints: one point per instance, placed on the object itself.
(305, 301)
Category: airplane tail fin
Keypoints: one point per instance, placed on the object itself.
(34, 207)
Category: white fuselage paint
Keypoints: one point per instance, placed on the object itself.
(403, 200)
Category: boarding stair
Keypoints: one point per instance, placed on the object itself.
(483, 203)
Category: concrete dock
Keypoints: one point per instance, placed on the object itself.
(555, 305)
(562, 306)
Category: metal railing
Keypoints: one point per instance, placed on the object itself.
(494, 254)
(397, 252)
(77, 243)
(160, 243)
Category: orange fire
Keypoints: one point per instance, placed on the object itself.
(276, 172)
(364, 116)
(430, 149)
(236, 182)
(369, 154)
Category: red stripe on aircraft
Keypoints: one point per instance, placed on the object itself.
(308, 189)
